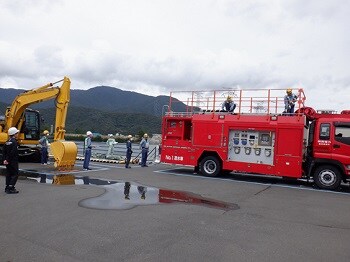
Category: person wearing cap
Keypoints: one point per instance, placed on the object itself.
(44, 142)
(144, 145)
(289, 101)
(128, 151)
(87, 149)
(10, 157)
(228, 105)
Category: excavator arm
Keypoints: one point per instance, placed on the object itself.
(14, 115)
(64, 152)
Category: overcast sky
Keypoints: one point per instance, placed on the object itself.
(157, 46)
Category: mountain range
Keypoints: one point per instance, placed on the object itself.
(103, 109)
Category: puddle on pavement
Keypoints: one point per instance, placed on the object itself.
(127, 195)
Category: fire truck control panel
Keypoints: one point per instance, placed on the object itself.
(251, 146)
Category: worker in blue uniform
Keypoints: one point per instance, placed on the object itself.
(10, 160)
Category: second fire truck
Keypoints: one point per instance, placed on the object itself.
(259, 138)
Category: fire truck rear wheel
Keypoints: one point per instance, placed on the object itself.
(210, 166)
(327, 177)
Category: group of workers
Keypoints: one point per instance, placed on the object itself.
(10, 155)
(289, 103)
(144, 146)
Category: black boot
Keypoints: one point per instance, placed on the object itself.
(12, 190)
(7, 189)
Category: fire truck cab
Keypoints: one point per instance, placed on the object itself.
(260, 138)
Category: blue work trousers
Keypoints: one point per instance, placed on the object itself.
(87, 158)
(128, 158)
(144, 156)
(44, 155)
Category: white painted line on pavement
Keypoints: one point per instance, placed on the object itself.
(166, 171)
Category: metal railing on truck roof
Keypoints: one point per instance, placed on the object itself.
(248, 101)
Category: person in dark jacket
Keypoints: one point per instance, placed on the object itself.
(128, 151)
(228, 105)
(10, 157)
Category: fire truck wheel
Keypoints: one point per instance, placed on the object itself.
(210, 166)
(327, 177)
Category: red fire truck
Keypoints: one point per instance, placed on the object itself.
(257, 138)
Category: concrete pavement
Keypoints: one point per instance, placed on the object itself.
(272, 222)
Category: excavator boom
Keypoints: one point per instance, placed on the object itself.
(64, 152)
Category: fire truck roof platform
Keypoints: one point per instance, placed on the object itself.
(248, 101)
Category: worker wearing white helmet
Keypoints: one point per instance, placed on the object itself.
(44, 142)
(87, 150)
(10, 158)
(12, 131)
(144, 145)
(128, 151)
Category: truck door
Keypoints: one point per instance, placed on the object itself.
(322, 141)
(341, 143)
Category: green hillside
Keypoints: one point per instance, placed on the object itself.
(104, 110)
(79, 120)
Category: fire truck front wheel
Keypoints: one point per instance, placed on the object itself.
(210, 166)
(327, 177)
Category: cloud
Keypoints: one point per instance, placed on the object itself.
(158, 46)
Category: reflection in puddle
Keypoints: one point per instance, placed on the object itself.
(126, 195)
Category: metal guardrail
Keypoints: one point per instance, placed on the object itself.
(268, 101)
(99, 150)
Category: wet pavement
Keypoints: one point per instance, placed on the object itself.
(165, 213)
(126, 195)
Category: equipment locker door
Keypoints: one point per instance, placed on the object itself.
(289, 152)
(207, 134)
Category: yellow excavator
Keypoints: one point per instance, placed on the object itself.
(28, 122)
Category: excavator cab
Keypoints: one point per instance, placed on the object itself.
(31, 126)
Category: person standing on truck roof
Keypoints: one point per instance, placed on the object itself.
(87, 148)
(10, 157)
(128, 151)
(44, 142)
(144, 145)
(289, 101)
(228, 105)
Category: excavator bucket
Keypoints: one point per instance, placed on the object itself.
(64, 153)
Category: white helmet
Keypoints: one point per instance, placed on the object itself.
(88, 133)
(12, 131)
(129, 136)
